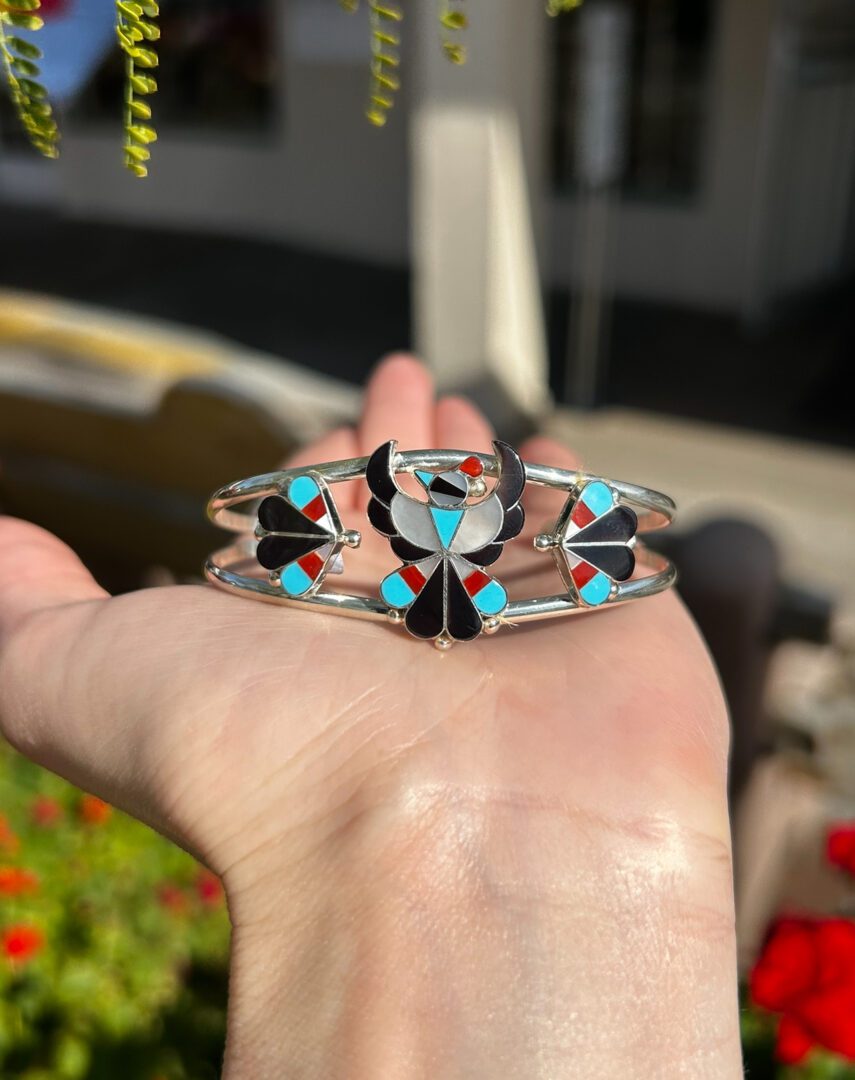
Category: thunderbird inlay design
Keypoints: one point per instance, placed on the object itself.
(442, 590)
(300, 535)
(593, 543)
(447, 521)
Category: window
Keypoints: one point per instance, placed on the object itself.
(216, 70)
(665, 47)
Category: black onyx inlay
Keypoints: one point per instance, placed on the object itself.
(444, 605)
(614, 559)
(277, 515)
(381, 518)
(616, 526)
(486, 556)
(425, 617)
(463, 621)
(407, 551)
(514, 521)
(449, 485)
(604, 543)
(512, 476)
(274, 552)
(378, 473)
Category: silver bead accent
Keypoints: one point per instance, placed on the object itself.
(492, 624)
(443, 643)
(352, 538)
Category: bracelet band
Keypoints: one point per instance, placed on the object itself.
(293, 537)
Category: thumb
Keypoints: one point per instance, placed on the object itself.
(37, 572)
(41, 582)
(52, 703)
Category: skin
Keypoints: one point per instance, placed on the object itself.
(511, 860)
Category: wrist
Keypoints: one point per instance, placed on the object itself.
(471, 939)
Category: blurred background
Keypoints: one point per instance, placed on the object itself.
(631, 226)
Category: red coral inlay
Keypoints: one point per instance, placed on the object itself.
(312, 564)
(316, 508)
(582, 515)
(582, 574)
(414, 578)
(471, 466)
(476, 581)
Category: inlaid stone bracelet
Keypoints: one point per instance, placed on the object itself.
(293, 537)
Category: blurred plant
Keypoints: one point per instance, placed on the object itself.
(453, 20)
(19, 58)
(384, 17)
(385, 41)
(801, 990)
(136, 33)
(840, 846)
(113, 943)
(557, 7)
(806, 973)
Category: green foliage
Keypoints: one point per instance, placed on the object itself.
(453, 20)
(558, 7)
(385, 42)
(136, 33)
(19, 58)
(384, 15)
(113, 943)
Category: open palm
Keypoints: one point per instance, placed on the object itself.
(508, 860)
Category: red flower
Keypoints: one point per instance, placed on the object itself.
(840, 846)
(807, 973)
(17, 880)
(94, 811)
(47, 7)
(9, 842)
(53, 7)
(22, 942)
(209, 888)
(45, 811)
(170, 896)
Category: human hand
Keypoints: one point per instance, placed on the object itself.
(506, 861)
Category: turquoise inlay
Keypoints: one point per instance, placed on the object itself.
(425, 477)
(295, 580)
(446, 522)
(598, 498)
(395, 591)
(302, 490)
(491, 599)
(596, 590)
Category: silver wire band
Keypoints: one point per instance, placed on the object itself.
(658, 509)
(223, 568)
(220, 570)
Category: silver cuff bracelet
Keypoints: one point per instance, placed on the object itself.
(293, 538)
